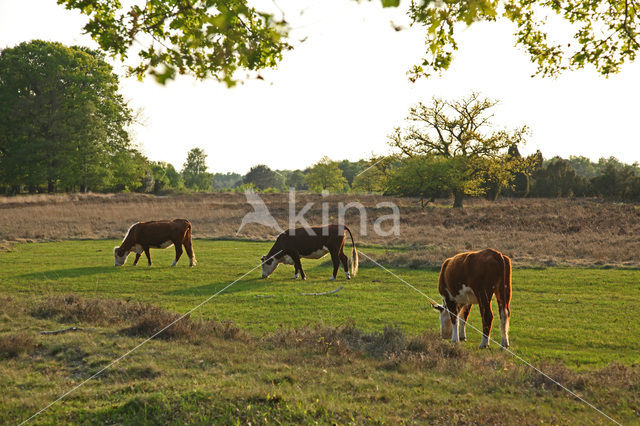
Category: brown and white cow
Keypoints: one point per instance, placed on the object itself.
(143, 236)
(311, 243)
(474, 277)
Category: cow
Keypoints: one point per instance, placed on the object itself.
(157, 234)
(311, 243)
(474, 277)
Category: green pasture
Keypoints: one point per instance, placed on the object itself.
(586, 318)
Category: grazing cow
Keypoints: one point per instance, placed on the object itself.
(158, 234)
(474, 277)
(311, 243)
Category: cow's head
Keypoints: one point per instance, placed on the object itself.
(120, 255)
(269, 265)
(445, 320)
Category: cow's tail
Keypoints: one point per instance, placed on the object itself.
(187, 239)
(506, 280)
(354, 255)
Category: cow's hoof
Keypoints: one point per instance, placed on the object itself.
(332, 279)
(463, 339)
(303, 278)
(483, 346)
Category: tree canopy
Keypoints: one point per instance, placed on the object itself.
(262, 177)
(460, 132)
(325, 175)
(216, 38)
(606, 34)
(194, 171)
(62, 120)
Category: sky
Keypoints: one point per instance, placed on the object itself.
(345, 88)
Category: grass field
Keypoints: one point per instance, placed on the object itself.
(288, 362)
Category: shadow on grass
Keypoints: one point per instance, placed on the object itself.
(70, 272)
(212, 288)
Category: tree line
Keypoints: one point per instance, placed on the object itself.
(64, 127)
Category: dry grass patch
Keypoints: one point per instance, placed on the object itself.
(536, 232)
(12, 345)
(143, 319)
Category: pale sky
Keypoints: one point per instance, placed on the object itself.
(342, 91)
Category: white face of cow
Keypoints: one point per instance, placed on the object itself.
(268, 266)
(446, 328)
(120, 255)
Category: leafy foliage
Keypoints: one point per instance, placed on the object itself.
(295, 179)
(325, 175)
(262, 177)
(208, 38)
(605, 33)
(194, 171)
(62, 120)
(216, 38)
(226, 180)
(460, 130)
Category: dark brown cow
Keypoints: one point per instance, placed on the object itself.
(311, 243)
(158, 234)
(474, 277)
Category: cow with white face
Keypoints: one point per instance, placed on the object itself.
(473, 278)
(311, 243)
(158, 234)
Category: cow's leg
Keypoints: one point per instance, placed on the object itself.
(345, 264)
(297, 264)
(135, 262)
(505, 315)
(189, 249)
(464, 314)
(452, 308)
(178, 248)
(295, 272)
(484, 303)
(336, 264)
(146, 251)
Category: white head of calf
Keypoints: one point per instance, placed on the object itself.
(120, 255)
(446, 327)
(268, 265)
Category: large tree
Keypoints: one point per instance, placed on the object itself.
(461, 130)
(194, 171)
(325, 175)
(215, 38)
(262, 177)
(62, 121)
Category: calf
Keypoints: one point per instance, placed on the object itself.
(474, 277)
(158, 234)
(311, 243)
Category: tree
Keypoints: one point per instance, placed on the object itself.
(430, 176)
(62, 121)
(226, 180)
(209, 38)
(165, 177)
(462, 130)
(620, 183)
(295, 179)
(215, 38)
(606, 33)
(325, 175)
(262, 177)
(350, 169)
(194, 171)
(556, 178)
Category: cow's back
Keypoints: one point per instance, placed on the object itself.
(473, 269)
